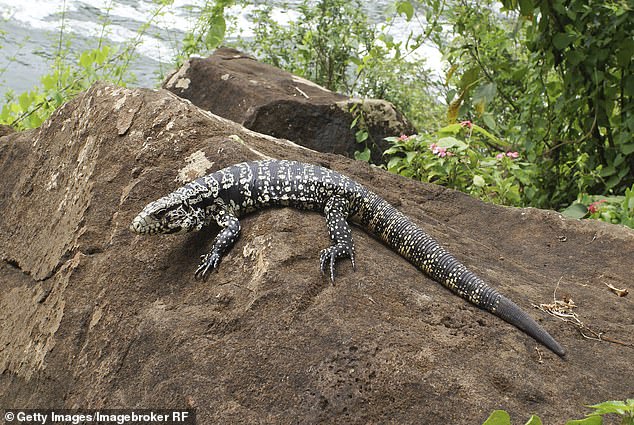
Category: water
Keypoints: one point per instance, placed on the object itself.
(32, 31)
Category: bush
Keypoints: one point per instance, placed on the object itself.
(465, 157)
(71, 74)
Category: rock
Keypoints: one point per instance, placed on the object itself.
(94, 316)
(5, 130)
(269, 100)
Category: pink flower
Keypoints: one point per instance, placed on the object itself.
(466, 124)
(594, 207)
(440, 151)
(403, 137)
(511, 155)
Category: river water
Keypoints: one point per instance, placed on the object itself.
(32, 30)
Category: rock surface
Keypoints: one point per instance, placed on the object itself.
(269, 100)
(93, 316)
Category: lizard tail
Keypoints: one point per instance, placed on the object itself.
(511, 313)
(415, 245)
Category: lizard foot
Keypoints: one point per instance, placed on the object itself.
(328, 256)
(208, 262)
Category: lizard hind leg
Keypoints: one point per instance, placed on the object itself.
(336, 212)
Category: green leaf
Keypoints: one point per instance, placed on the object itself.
(216, 33)
(361, 136)
(576, 210)
(363, 156)
(86, 59)
(494, 140)
(451, 142)
(485, 93)
(49, 82)
(25, 101)
(526, 7)
(575, 57)
(470, 77)
(405, 8)
(562, 40)
(613, 406)
(498, 417)
(392, 163)
(450, 129)
(607, 171)
(102, 54)
(489, 121)
(627, 149)
(479, 181)
(591, 420)
(534, 420)
(392, 150)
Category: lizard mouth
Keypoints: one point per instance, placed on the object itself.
(171, 230)
(139, 225)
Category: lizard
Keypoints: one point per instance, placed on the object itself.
(224, 196)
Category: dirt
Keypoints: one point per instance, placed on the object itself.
(93, 316)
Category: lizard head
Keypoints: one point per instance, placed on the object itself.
(169, 214)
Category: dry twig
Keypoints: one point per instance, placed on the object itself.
(564, 310)
(620, 292)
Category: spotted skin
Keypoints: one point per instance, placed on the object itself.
(228, 194)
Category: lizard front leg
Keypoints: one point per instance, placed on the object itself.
(337, 212)
(229, 232)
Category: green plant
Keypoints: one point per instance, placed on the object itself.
(466, 157)
(612, 209)
(625, 409)
(71, 74)
(552, 77)
(208, 32)
(361, 135)
(501, 417)
(321, 44)
(335, 44)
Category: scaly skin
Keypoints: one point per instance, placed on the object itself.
(226, 195)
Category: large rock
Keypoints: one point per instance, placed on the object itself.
(269, 100)
(93, 316)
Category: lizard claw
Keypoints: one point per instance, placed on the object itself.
(208, 262)
(328, 257)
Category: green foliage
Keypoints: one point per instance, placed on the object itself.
(66, 79)
(71, 74)
(591, 420)
(612, 209)
(498, 417)
(501, 417)
(320, 45)
(333, 43)
(465, 157)
(555, 77)
(623, 409)
(209, 30)
(362, 135)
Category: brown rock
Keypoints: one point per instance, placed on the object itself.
(271, 101)
(5, 130)
(93, 316)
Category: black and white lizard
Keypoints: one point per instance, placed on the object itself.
(224, 196)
